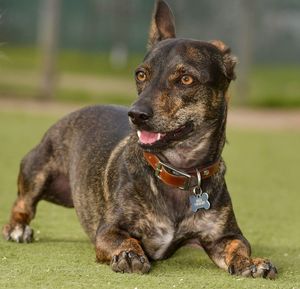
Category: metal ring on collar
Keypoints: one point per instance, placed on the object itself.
(198, 178)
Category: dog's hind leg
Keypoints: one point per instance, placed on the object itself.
(30, 184)
(35, 182)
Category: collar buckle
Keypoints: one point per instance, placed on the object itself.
(159, 170)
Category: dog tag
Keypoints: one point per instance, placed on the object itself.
(199, 201)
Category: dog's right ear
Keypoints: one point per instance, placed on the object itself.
(162, 24)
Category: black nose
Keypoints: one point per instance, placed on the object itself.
(140, 115)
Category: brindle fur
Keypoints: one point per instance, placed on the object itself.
(91, 160)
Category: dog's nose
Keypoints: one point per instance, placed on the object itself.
(140, 115)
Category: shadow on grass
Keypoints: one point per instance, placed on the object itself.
(285, 259)
(50, 240)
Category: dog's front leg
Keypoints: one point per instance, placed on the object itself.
(118, 248)
(232, 253)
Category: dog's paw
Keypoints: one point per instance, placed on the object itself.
(130, 262)
(255, 267)
(18, 233)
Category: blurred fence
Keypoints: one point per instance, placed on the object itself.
(110, 32)
(91, 25)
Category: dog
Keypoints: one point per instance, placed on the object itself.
(146, 180)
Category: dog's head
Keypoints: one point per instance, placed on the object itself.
(182, 85)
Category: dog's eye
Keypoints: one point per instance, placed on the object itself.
(187, 80)
(140, 76)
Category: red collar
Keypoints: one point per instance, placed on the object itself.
(176, 178)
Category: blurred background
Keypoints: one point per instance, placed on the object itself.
(86, 51)
(58, 55)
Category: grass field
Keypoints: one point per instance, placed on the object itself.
(263, 177)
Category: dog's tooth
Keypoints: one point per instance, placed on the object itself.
(158, 136)
(139, 133)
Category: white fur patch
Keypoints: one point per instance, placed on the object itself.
(220, 262)
(153, 186)
(164, 240)
(17, 233)
(160, 238)
(20, 234)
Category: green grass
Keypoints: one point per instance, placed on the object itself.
(270, 86)
(263, 177)
(275, 86)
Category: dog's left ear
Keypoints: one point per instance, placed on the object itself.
(162, 24)
(229, 60)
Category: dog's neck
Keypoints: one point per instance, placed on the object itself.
(198, 150)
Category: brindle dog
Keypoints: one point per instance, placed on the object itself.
(92, 160)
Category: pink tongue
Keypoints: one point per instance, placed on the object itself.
(147, 137)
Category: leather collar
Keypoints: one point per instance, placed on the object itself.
(177, 178)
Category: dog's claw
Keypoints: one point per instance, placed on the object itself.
(253, 269)
(142, 259)
(131, 254)
(130, 262)
(270, 271)
(231, 270)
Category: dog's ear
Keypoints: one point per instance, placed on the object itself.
(162, 24)
(229, 60)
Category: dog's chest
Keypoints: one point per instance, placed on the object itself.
(158, 239)
(160, 236)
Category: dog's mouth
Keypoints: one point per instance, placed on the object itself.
(148, 139)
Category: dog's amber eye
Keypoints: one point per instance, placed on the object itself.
(141, 76)
(187, 80)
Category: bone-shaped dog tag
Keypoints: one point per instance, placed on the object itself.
(199, 201)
